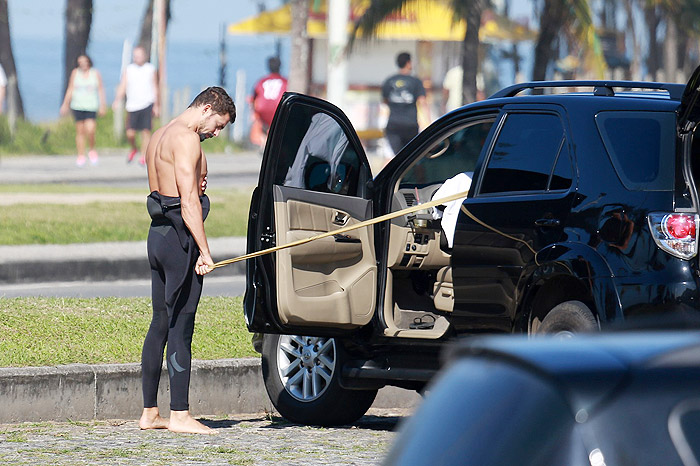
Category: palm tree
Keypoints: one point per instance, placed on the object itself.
(299, 61)
(467, 10)
(7, 60)
(78, 24)
(145, 36)
(560, 15)
(635, 65)
(681, 18)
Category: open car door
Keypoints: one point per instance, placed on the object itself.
(313, 180)
(689, 109)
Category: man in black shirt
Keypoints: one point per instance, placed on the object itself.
(401, 92)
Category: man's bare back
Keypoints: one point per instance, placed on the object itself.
(160, 161)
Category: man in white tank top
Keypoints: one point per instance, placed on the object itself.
(139, 84)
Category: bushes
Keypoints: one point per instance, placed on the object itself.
(59, 137)
(52, 138)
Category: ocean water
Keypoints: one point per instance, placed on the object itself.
(192, 66)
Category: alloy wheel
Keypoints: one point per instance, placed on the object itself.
(306, 365)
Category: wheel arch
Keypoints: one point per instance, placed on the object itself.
(569, 272)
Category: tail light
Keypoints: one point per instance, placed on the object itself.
(676, 233)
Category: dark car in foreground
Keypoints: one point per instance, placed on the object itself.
(582, 211)
(630, 398)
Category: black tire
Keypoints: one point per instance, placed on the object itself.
(292, 392)
(568, 318)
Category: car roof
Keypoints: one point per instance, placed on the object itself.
(587, 366)
(599, 88)
(585, 102)
(613, 350)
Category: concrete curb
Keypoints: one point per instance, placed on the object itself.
(113, 391)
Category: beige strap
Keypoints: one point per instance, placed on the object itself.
(383, 218)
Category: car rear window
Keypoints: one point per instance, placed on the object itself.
(641, 146)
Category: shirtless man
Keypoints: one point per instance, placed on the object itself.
(178, 252)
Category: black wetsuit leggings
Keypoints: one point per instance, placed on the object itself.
(173, 316)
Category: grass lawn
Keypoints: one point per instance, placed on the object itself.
(108, 221)
(52, 331)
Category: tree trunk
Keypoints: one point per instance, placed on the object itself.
(7, 60)
(635, 66)
(470, 51)
(652, 20)
(78, 23)
(147, 26)
(146, 29)
(551, 23)
(299, 64)
(670, 49)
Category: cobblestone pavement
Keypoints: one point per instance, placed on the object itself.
(256, 439)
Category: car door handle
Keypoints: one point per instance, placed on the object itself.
(547, 222)
(340, 218)
(339, 238)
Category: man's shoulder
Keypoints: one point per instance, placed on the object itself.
(391, 78)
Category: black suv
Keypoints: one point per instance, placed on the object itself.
(582, 211)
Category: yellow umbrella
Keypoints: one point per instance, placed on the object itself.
(427, 20)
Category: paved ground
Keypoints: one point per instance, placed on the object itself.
(225, 170)
(213, 286)
(256, 439)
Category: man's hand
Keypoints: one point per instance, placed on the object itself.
(204, 265)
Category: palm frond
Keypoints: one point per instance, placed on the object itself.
(588, 37)
(366, 25)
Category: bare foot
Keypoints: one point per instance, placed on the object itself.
(183, 422)
(150, 419)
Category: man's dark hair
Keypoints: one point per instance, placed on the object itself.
(402, 59)
(219, 100)
(273, 64)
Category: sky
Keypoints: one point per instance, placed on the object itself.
(192, 21)
(193, 36)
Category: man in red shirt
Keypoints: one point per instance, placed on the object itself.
(266, 95)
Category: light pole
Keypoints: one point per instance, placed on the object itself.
(337, 26)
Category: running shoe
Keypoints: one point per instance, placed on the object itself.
(92, 155)
(142, 160)
(80, 161)
(131, 155)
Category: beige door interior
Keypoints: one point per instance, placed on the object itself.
(332, 281)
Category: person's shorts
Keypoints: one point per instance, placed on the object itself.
(140, 119)
(81, 115)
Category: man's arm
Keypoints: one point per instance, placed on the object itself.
(65, 106)
(424, 112)
(186, 158)
(156, 101)
(121, 91)
(101, 94)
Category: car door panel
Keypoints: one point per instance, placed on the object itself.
(312, 180)
(332, 280)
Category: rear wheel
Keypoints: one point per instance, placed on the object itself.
(301, 377)
(567, 319)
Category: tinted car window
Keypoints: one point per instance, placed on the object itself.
(315, 154)
(454, 154)
(524, 154)
(563, 170)
(641, 148)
